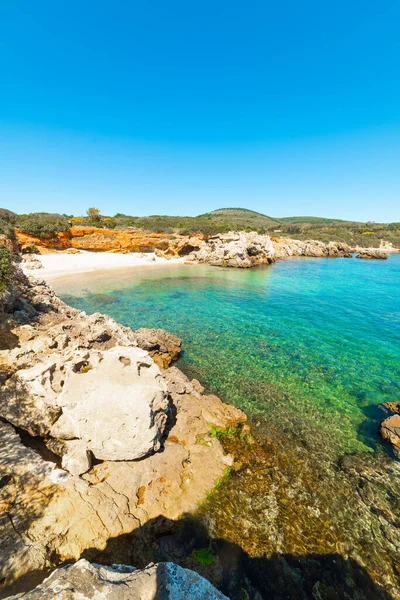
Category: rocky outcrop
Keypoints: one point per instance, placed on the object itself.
(234, 249)
(246, 249)
(56, 241)
(85, 581)
(161, 345)
(84, 409)
(286, 248)
(372, 253)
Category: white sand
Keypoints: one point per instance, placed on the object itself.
(58, 264)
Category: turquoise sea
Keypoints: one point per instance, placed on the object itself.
(310, 350)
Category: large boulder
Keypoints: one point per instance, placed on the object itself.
(114, 401)
(85, 581)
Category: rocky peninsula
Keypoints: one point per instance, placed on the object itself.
(100, 434)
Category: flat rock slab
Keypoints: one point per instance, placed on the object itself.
(162, 581)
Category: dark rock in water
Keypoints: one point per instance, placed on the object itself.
(371, 253)
(390, 431)
(84, 581)
(393, 406)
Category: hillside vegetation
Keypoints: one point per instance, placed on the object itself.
(217, 221)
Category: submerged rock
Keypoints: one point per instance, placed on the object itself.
(85, 581)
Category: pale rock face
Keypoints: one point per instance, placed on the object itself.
(85, 581)
(286, 247)
(233, 249)
(115, 402)
(28, 398)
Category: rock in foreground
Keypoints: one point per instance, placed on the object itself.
(84, 581)
(75, 387)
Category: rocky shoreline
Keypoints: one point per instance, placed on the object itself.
(100, 434)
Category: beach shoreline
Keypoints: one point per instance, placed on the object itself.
(59, 265)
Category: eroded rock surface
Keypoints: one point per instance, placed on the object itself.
(85, 581)
(234, 249)
(115, 401)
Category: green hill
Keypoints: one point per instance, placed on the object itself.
(312, 220)
(242, 218)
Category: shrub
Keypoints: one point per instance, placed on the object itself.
(5, 266)
(42, 224)
(30, 250)
(8, 220)
(94, 214)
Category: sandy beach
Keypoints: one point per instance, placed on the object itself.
(59, 264)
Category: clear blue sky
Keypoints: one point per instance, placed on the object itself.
(179, 107)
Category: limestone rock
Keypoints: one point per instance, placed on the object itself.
(28, 400)
(32, 262)
(372, 253)
(234, 249)
(115, 401)
(162, 346)
(390, 431)
(286, 247)
(86, 581)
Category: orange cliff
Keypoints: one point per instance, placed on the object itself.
(96, 239)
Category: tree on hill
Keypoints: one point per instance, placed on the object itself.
(93, 213)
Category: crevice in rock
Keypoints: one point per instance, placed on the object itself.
(34, 442)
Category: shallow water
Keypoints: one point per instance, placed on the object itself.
(310, 350)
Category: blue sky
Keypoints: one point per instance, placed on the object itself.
(289, 108)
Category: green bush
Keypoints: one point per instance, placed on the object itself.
(5, 266)
(31, 250)
(8, 220)
(42, 224)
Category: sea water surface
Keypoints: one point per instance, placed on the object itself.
(310, 350)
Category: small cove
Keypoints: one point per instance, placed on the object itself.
(310, 350)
